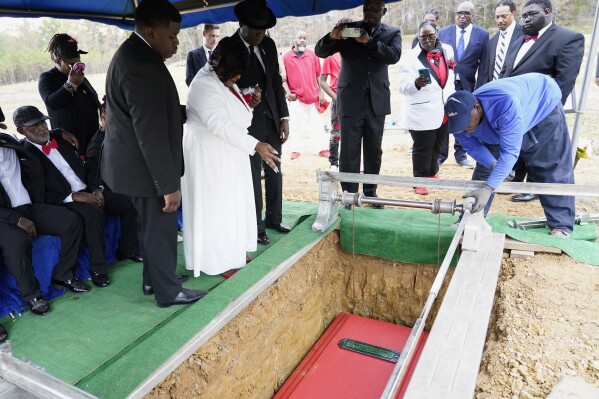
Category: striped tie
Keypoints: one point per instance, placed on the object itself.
(500, 56)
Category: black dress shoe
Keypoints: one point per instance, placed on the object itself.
(100, 279)
(375, 206)
(263, 239)
(524, 197)
(3, 334)
(71, 285)
(39, 306)
(134, 257)
(347, 207)
(184, 297)
(281, 228)
(149, 290)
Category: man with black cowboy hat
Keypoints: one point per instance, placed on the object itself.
(65, 185)
(70, 99)
(24, 215)
(270, 121)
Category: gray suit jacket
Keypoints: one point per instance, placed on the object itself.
(364, 66)
(143, 153)
(557, 53)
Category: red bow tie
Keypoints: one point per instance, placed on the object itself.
(529, 37)
(46, 148)
(434, 55)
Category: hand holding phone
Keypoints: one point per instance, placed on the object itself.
(425, 73)
(77, 67)
(351, 32)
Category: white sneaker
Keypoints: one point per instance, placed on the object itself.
(334, 168)
(179, 238)
(559, 233)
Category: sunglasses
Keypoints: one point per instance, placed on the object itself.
(464, 13)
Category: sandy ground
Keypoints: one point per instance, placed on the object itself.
(546, 312)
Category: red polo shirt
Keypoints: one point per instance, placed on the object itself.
(302, 73)
(331, 66)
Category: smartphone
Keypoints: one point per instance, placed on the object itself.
(351, 32)
(77, 67)
(426, 73)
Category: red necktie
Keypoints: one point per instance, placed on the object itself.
(46, 148)
(529, 37)
(433, 55)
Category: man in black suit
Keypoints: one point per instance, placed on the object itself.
(143, 153)
(363, 96)
(24, 215)
(548, 49)
(64, 178)
(197, 58)
(270, 122)
(509, 32)
(470, 46)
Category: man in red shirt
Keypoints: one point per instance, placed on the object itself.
(331, 67)
(302, 70)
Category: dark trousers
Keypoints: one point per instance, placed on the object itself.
(16, 245)
(366, 127)
(273, 182)
(427, 144)
(120, 205)
(547, 151)
(520, 170)
(459, 152)
(335, 136)
(158, 244)
(93, 233)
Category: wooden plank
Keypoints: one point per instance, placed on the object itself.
(517, 253)
(449, 364)
(510, 243)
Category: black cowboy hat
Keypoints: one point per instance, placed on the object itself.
(255, 14)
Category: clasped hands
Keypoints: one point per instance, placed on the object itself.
(95, 198)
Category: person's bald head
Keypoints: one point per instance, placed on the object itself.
(464, 14)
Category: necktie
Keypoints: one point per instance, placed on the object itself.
(531, 37)
(46, 148)
(209, 54)
(433, 55)
(500, 56)
(460, 49)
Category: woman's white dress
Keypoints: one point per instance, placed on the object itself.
(219, 215)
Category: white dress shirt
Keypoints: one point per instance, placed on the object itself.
(458, 34)
(10, 177)
(526, 46)
(509, 33)
(65, 169)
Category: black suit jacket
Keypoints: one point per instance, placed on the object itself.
(490, 68)
(77, 113)
(32, 177)
(143, 152)
(273, 91)
(363, 67)
(196, 59)
(474, 58)
(557, 53)
(57, 188)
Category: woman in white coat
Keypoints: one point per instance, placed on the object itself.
(425, 118)
(219, 216)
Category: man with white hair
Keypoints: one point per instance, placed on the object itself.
(304, 96)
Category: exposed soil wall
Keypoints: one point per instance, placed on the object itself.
(253, 354)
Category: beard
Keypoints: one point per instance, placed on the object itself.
(300, 47)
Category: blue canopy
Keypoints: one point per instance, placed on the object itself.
(195, 12)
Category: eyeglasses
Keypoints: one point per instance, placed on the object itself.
(463, 13)
(372, 8)
(428, 38)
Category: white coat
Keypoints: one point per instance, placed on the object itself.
(424, 107)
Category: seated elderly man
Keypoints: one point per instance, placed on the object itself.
(523, 115)
(23, 215)
(65, 185)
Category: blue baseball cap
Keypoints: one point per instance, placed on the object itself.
(458, 109)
